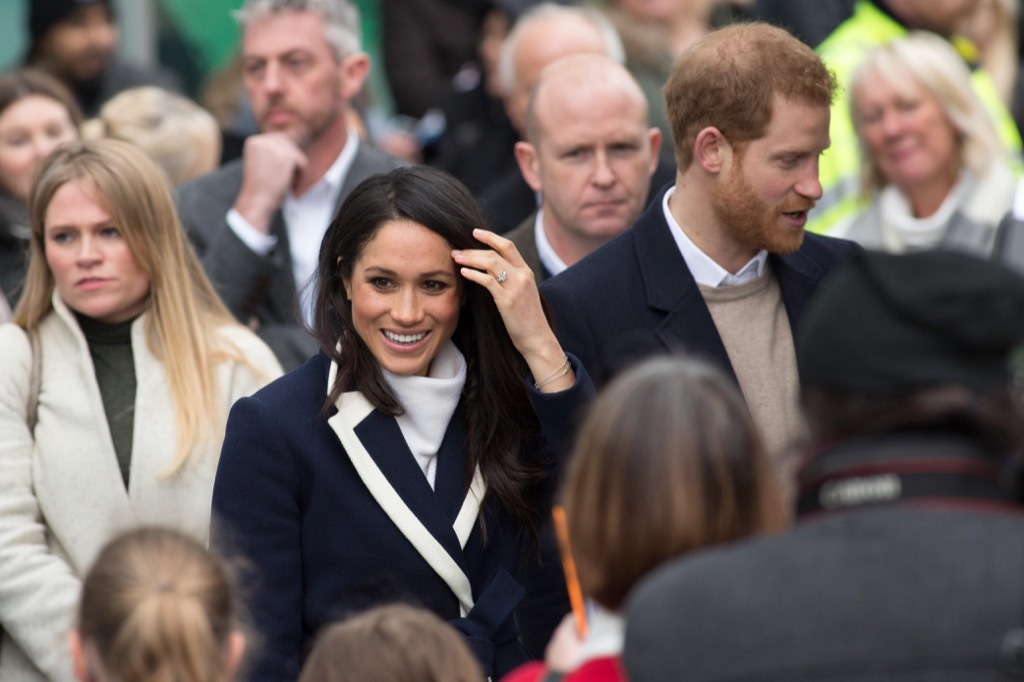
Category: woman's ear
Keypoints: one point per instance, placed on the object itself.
(346, 281)
(78, 663)
(236, 649)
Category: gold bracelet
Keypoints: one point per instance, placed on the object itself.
(559, 372)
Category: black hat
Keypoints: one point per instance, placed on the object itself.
(44, 14)
(888, 325)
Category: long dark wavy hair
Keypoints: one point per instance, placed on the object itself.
(497, 412)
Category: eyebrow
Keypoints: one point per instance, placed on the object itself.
(376, 269)
(109, 222)
(290, 52)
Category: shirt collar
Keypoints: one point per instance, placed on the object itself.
(548, 258)
(703, 268)
(335, 175)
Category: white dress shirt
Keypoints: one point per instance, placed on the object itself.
(548, 258)
(705, 270)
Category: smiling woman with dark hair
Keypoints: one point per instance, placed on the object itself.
(400, 462)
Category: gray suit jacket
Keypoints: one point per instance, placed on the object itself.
(257, 288)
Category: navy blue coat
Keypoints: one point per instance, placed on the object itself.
(290, 498)
(635, 297)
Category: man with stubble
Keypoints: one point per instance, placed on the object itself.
(257, 222)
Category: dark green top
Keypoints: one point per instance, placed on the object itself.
(110, 346)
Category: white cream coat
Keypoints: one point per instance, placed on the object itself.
(62, 495)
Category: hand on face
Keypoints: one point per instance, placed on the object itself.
(518, 301)
(270, 162)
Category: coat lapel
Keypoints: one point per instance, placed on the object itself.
(357, 172)
(449, 484)
(282, 295)
(670, 288)
(382, 438)
(377, 450)
(459, 508)
(798, 277)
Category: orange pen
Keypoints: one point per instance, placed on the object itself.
(572, 581)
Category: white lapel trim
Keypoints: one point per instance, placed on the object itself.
(353, 408)
(466, 519)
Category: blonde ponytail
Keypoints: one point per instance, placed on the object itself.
(157, 607)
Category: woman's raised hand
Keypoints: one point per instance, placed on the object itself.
(503, 272)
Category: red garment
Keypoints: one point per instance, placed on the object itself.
(603, 669)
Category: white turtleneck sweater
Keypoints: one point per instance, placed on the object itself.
(429, 403)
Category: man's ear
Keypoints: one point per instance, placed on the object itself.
(654, 139)
(354, 70)
(711, 150)
(529, 164)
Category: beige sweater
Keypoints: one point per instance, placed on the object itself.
(752, 322)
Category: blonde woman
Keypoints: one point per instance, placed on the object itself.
(179, 135)
(933, 167)
(118, 375)
(157, 607)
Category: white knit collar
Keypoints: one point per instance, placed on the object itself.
(902, 231)
(429, 403)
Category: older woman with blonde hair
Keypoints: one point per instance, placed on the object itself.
(934, 169)
(118, 375)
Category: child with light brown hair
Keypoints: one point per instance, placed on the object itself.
(157, 607)
(393, 643)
